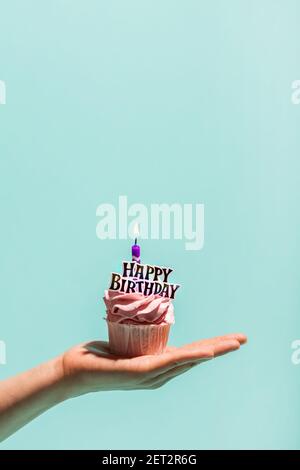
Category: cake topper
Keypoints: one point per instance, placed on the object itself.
(143, 278)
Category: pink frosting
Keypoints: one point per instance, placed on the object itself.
(138, 309)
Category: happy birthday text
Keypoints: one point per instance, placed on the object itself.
(144, 279)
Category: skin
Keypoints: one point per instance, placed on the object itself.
(90, 367)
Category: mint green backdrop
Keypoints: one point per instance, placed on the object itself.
(162, 101)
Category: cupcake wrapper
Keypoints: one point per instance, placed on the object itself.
(137, 340)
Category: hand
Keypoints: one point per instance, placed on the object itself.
(91, 367)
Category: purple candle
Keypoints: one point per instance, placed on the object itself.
(136, 249)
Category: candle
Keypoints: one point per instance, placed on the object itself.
(136, 249)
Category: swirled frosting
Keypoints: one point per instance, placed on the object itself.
(138, 309)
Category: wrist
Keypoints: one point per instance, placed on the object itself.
(52, 381)
(63, 385)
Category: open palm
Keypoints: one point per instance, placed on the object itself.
(92, 367)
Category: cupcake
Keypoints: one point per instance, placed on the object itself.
(138, 324)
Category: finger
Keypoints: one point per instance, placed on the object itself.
(178, 357)
(171, 348)
(97, 347)
(171, 374)
(205, 354)
(220, 349)
(174, 370)
(100, 349)
(182, 356)
(240, 337)
(225, 347)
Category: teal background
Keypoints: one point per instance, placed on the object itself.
(162, 101)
